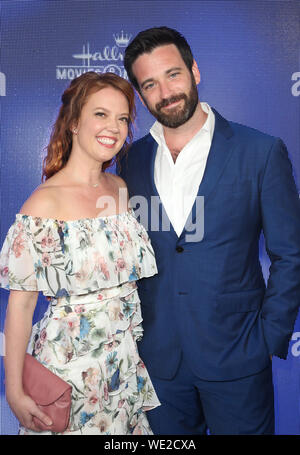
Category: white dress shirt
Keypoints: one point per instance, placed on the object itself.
(178, 183)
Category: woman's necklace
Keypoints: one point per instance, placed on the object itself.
(93, 185)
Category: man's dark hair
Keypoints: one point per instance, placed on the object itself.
(147, 40)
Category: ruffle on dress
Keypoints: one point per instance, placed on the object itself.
(90, 341)
(88, 334)
(62, 258)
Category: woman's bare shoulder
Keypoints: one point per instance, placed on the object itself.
(43, 202)
(116, 180)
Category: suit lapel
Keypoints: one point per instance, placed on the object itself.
(156, 211)
(219, 154)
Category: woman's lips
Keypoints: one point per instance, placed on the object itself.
(106, 141)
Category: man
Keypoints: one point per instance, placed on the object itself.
(211, 325)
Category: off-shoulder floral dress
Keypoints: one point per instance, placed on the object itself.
(88, 270)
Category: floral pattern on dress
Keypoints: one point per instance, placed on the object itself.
(89, 333)
(75, 257)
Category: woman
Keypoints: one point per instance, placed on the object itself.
(77, 242)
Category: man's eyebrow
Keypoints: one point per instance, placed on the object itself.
(150, 79)
(146, 82)
(176, 68)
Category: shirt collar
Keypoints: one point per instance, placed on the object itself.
(157, 131)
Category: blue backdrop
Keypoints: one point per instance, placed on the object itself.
(248, 53)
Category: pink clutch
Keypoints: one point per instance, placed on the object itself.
(50, 393)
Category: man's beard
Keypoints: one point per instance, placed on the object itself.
(177, 116)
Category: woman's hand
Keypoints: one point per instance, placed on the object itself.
(25, 409)
(18, 325)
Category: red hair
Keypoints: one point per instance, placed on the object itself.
(73, 99)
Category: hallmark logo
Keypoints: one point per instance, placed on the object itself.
(122, 40)
(109, 60)
(2, 84)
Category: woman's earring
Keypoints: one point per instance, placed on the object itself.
(75, 131)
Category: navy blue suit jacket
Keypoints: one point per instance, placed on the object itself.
(209, 300)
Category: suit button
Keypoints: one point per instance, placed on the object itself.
(179, 249)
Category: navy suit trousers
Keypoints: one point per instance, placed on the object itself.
(191, 406)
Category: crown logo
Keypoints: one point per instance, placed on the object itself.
(122, 40)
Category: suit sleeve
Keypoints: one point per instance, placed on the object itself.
(280, 208)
